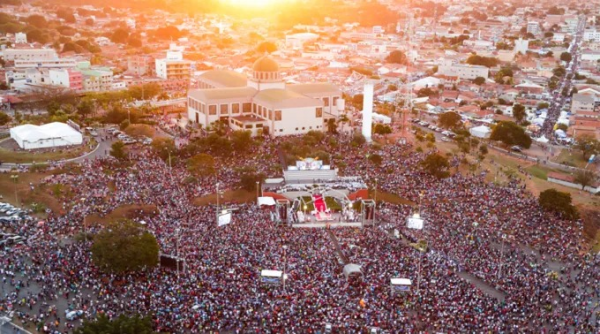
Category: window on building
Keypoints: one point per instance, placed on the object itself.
(235, 108)
(212, 109)
(326, 101)
(259, 125)
(189, 101)
(319, 112)
(254, 108)
(248, 126)
(203, 108)
(278, 115)
(296, 129)
(247, 107)
(334, 102)
(224, 109)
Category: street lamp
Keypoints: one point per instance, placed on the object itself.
(475, 224)
(305, 207)
(178, 262)
(257, 194)
(501, 256)
(284, 264)
(217, 204)
(375, 207)
(15, 179)
(84, 216)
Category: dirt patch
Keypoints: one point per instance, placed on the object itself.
(390, 198)
(130, 211)
(230, 196)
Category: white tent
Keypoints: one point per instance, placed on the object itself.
(55, 134)
(542, 139)
(266, 201)
(480, 131)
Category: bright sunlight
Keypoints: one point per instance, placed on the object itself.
(252, 3)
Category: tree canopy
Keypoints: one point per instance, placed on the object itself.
(202, 165)
(510, 134)
(120, 325)
(518, 111)
(450, 120)
(117, 151)
(559, 202)
(483, 61)
(123, 246)
(588, 145)
(585, 178)
(266, 46)
(566, 56)
(436, 165)
(396, 57)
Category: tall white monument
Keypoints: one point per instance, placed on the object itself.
(367, 111)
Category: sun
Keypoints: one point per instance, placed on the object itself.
(252, 3)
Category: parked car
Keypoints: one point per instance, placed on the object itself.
(446, 139)
(516, 148)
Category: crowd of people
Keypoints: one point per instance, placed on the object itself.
(220, 288)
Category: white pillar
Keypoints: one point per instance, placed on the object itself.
(367, 111)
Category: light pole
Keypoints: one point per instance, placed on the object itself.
(475, 224)
(420, 199)
(284, 264)
(178, 262)
(257, 194)
(501, 256)
(375, 207)
(84, 217)
(15, 179)
(217, 211)
(305, 207)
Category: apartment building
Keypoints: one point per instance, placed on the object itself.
(29, 54)
(173, 66)
(68, 78)
(463, 71)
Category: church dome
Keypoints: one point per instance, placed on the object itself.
(265, 64)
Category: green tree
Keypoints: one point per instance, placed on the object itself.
(248, 181)
(450, 120)
(331, 126)
(519, 112)
(140, 130)
(266, 46)
(357, 100)
(483, 61)
(585, 178)
(121, 35)
(376, 159)
(566, 57)
(241, 141)
(121, 325)
(358, 139)
(117, 151)
(559, 202)
(479, 81)
(381, 129)
(85, 107)
(37, 21)
(436, 165)
(202, 165)
(4, 118)
(588, 145)
(510, 134)
(123, 246)
(164, 147)
(426, 91)
(396, 57)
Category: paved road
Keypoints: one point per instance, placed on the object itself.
(101, 150)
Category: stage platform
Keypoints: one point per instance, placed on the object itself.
(331, 225)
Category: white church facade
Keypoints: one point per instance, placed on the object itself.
(263, 103)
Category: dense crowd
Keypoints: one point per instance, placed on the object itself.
(545, 282)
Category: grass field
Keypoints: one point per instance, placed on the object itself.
(539, 172)
(574, 158)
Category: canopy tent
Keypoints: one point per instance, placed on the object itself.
(29, 136)
(542, 139)
(560, 133)
(266, 201)
(352, 269)
(400, 285)
(480, 131)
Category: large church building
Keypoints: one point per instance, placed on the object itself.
(263, 102)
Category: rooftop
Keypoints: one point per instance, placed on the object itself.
(225, 78)
(222, 93)
(316, 88)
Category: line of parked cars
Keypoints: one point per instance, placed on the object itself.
(11, 217)
(127, 139)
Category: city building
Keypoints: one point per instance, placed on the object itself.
(534, 28)
(49, 63)
(521, 45)
(20, 38)
(173, 66)
(582, 102)
(263, 103)
(29, 54)
(68, 78)
(463, 71)
(140, 65)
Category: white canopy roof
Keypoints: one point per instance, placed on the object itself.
(271, 273)
(481, 131)
(400, 281)
(266, 201)
(32, 133)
